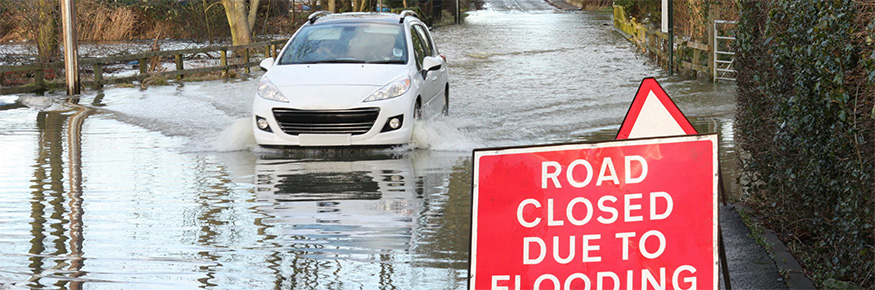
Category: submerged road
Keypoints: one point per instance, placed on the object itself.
(163, 187)
(526, 6)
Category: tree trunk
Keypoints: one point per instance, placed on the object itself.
(47, 31)
(253, 13)
(332, 6)
(235, 11)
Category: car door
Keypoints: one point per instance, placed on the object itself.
(434, 81)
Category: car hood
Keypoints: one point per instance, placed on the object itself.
(333, 74)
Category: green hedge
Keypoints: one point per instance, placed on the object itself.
(804, 118)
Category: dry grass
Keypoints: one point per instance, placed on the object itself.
(103, 23)
(691, 16)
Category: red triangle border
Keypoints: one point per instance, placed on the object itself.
(648, 85)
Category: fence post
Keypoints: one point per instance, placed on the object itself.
(39, 76)
(98, 76)
(144, 67)
(273, 50)
(224, 62)
(179, 66)
(246, 60)
(713, 15)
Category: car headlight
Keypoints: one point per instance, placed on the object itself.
(392, 90)
(268, 90)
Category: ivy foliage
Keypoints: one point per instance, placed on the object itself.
(805, 97)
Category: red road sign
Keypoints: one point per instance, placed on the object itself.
(630, 214)
(653, 114)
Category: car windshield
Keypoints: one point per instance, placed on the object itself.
(347, 43)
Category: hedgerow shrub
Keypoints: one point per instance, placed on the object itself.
(804, 118)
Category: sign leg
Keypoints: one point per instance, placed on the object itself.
(724, 265)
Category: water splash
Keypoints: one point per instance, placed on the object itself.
(442, 134)
(236, 137)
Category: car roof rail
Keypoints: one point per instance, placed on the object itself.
(318, 14)
(406, 13)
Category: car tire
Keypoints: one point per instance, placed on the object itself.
(417, 110)
(446, 109)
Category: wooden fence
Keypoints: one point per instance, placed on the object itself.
(42, 77)
(690, 57)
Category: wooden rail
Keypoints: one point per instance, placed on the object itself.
(36, 73)
(691, 57)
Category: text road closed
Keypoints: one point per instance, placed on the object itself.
(637, 214)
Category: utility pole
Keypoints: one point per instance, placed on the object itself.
(71, 55)
(670, 37)
(458, 13)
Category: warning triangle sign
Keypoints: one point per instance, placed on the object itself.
(653, 114)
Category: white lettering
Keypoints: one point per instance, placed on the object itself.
(576, 276)
(498, 278)
(569, 211)
(625, 243)
(570, 172)
(643, 241)
(668, 202)
(629, 207)
(600, 278)
(651, 278)
(611, 210)
(527, 241)
(648, 279)
(552, 278)
(519, 213)
(550, 221)
(640, 160)
(632, 207)
(556, 257)
(691, 280)
(612, 174)
(545, 174)
(586, 248)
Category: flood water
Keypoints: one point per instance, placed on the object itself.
(163, 188)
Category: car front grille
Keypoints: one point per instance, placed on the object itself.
(353, 121)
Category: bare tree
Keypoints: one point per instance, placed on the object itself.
(241, 19)
(34, 20)
(47, 31)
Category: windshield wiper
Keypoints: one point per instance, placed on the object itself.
(395, 61)
(341, 60)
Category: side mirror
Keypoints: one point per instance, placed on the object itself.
(266, 64)
(430, 63)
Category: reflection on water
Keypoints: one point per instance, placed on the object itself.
(351, 206)
(100, 217)
(56, 213)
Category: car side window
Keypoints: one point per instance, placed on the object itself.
(426, 39)
(419, 49)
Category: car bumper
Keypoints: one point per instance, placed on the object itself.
(373, 137)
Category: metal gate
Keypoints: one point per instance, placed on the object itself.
(724, 54)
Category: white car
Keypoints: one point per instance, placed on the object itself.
(351, 79)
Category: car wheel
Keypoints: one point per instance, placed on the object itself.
(446, 110)
(417, 110)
